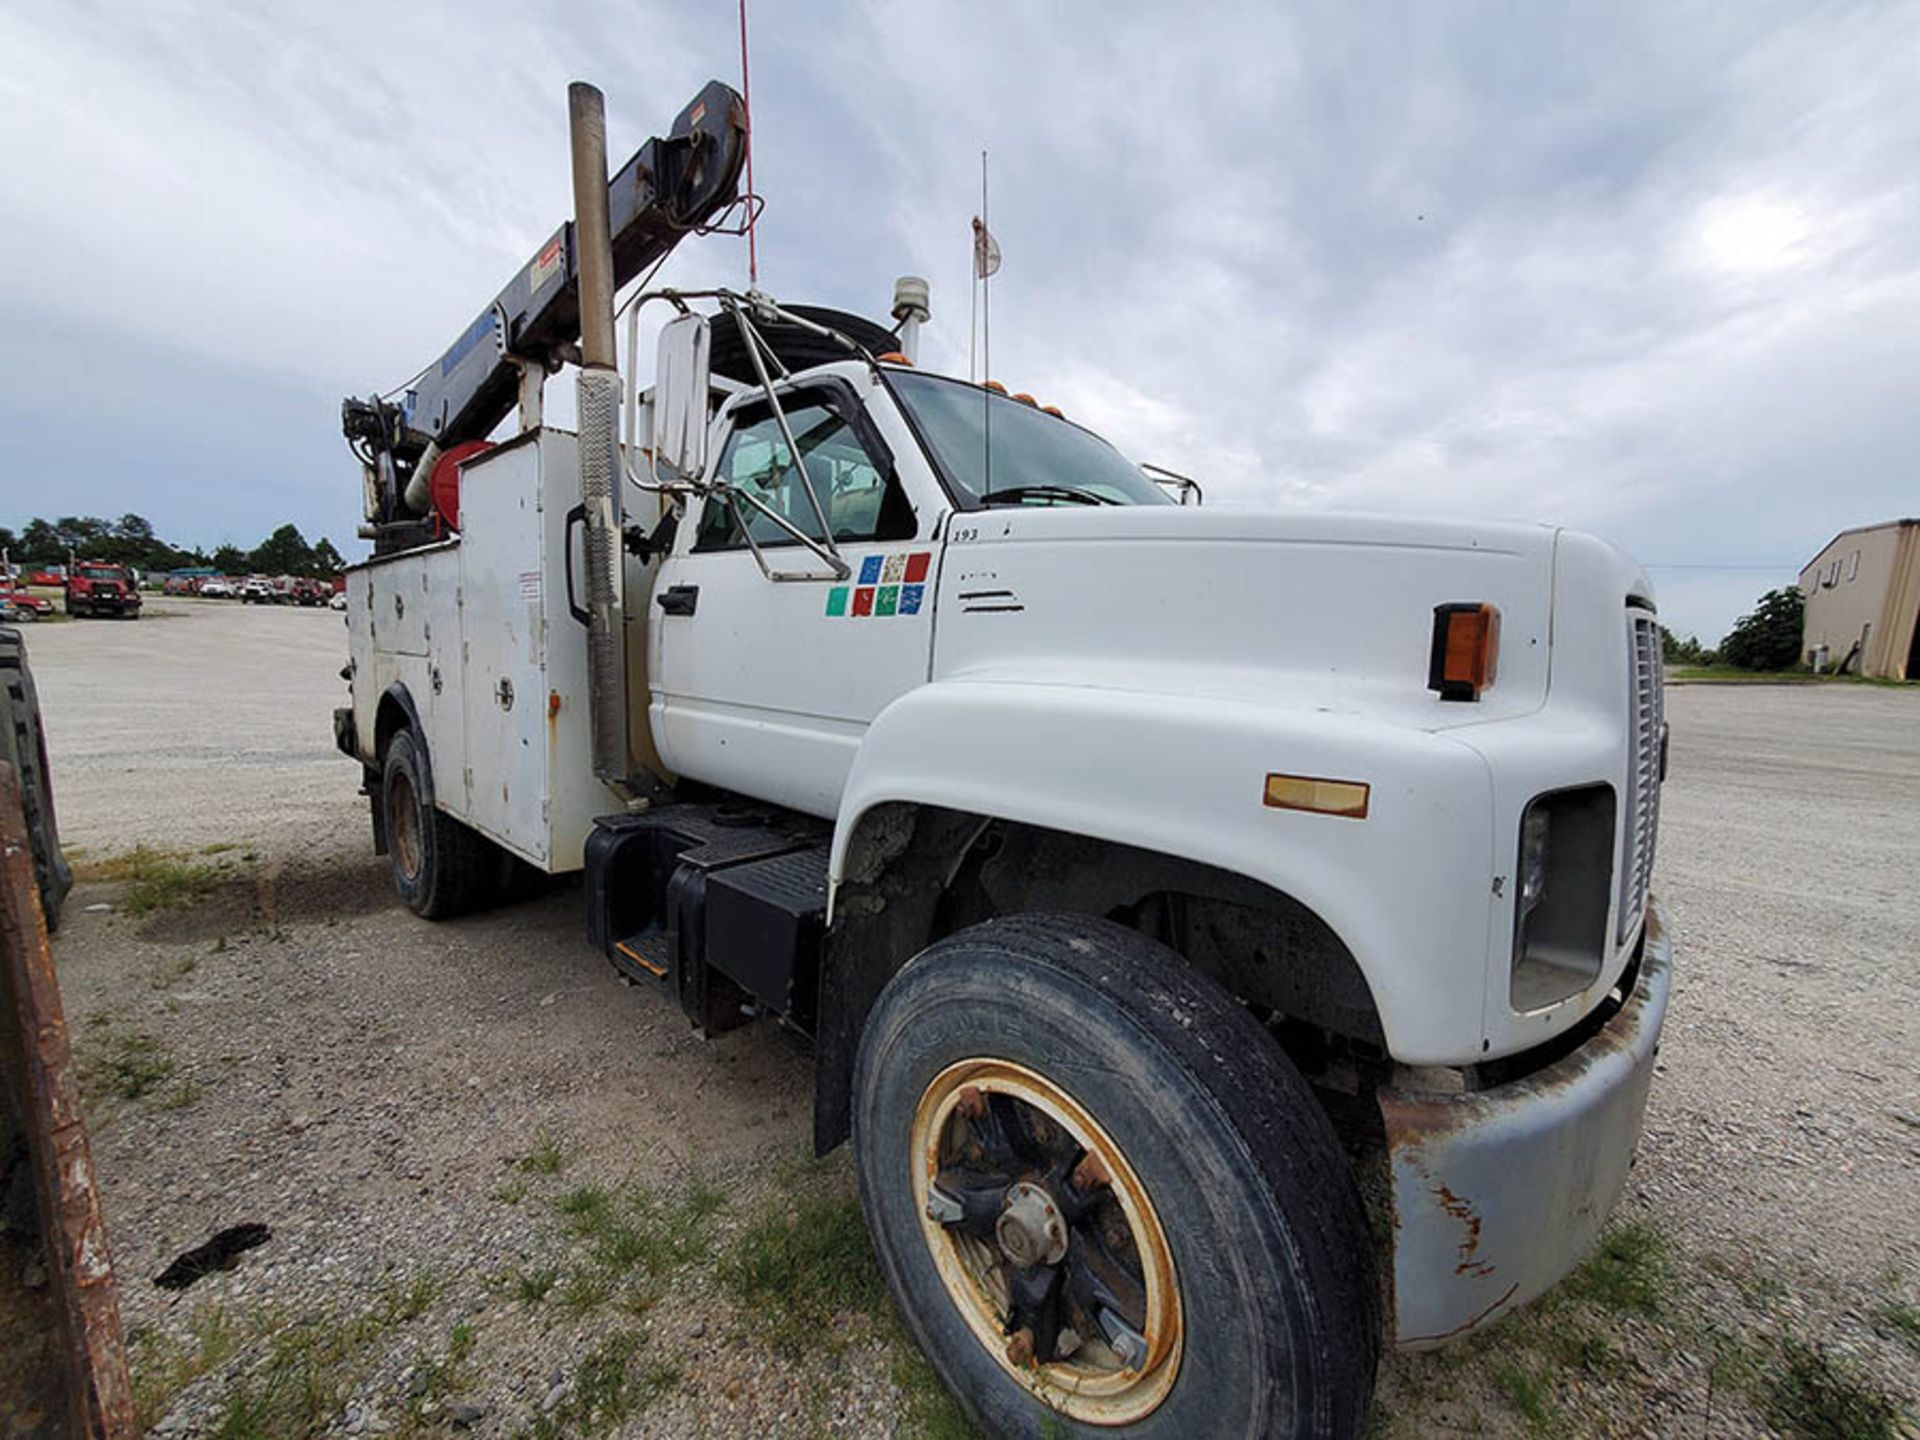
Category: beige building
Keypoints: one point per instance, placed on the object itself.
(1863, 598)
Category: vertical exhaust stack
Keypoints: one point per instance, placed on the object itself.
(599, 400)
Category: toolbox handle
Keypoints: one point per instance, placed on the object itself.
(576, 516)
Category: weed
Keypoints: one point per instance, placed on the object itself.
(1899, 1321)
(154, 879)
(220, 848)
(801, 1267)
(1530, 1393)
(548, 1156)
(931, 1412)
(531, 1287)
(460, 1342)
(1813, 1394)
(133, 1067)
(510, 1192)
(1630, 1269)
(636, 1231)
(585, 1290)
(609, 1387)
(313, 1364)
(163, 1366)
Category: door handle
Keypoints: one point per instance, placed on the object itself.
(576, 516)
(678, 599)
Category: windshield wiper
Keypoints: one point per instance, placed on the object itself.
(1015, 494)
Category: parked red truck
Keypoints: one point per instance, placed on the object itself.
(101, 589)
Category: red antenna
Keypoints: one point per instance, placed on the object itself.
(746, 104)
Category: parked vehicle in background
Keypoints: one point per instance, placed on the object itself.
(98, 588)
(216, 588)
(302, 591)
(16, 598)
(257, 590)
(337, 601)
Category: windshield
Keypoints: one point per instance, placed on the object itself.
(100, 572)
(1037, 459)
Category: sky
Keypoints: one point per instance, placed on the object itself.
(1648, 268)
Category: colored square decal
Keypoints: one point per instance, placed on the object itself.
(887, 601)
(917, 566)
(891, 572)
(910, 598)
(870, 570)
(837, 600)
(863, 600)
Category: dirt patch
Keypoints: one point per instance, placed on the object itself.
(268, 897)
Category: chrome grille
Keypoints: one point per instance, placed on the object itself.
(1643, 771)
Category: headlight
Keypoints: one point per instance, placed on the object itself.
(1565, 865)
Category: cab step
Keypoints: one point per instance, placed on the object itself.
(723, 906)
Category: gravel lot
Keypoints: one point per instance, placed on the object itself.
(438, 1121)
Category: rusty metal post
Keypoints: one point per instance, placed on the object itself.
(79, 1265)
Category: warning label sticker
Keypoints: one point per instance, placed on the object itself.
(530, 586)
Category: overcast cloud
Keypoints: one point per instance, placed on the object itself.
(1649, 269)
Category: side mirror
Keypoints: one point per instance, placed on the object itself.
(680, 391)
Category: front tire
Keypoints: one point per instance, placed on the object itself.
(1065, 1136)
(440, 867)
(23, 745)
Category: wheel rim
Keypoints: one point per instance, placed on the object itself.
(1042, 1232)
(403, 823)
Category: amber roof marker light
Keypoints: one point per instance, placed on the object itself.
(1466, 650)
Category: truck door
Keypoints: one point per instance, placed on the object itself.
(766, 687)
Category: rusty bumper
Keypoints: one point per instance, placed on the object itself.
(1498, 1193)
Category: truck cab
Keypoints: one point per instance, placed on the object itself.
(1225, 937)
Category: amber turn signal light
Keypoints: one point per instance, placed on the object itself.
(1466, 650)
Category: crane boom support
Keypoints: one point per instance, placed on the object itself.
(669, 188)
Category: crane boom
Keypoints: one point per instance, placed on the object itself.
(669, 188)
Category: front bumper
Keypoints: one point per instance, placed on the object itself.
(1498, 1193)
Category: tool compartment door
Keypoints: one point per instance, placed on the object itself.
(529, 781)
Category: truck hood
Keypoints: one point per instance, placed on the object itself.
(1324, 610)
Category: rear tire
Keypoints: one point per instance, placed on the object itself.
(440, 867)
(23, 745)
(1221, 1188)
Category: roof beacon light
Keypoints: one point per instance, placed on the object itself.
(1466, 650)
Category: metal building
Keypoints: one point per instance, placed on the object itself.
(1863, 599)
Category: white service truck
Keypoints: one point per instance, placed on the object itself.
(1225, 937)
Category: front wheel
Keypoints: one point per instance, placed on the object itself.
(1104, 1200)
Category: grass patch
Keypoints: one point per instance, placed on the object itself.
(799, 1268)
(548, 1156)
(931, 1412)
(1530, 1393)
(297, 1387)
(1812, 1394)
(531, 1287)
(510, 1192)
(1630, 1269)
(1899, 1321)
(162, 1366)
(154, 879)
(636, 1231)
(612, 1385)
(133, 1067)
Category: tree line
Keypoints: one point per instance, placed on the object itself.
(1765, 638)
(130, 541)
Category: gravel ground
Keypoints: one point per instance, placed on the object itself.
(413, 1109)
